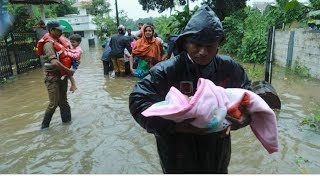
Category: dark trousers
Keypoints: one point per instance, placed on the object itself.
(107, 67)
(188, 153)
(127, 66)
(57, 91)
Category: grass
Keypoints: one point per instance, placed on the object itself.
(254, 71)
(312, 120)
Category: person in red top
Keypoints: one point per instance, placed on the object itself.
(69, 53)
(53, 48)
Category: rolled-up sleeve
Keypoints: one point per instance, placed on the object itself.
(49, 52)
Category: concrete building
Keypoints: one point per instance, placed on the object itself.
(82, 24)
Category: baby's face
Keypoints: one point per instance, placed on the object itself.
(74, 43)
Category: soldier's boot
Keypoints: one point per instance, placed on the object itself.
(65, 114)
(46, 120)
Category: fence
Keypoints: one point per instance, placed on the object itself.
(5, 63)
(18, 48)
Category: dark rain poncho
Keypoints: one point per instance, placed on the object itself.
(187, 153)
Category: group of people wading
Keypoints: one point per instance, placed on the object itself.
(182, 147)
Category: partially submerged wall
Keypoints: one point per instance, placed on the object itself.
(303, 48)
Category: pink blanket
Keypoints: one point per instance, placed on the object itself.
(210, 105)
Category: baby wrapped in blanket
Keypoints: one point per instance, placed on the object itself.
(210, 105)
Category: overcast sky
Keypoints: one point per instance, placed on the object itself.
(134, 9)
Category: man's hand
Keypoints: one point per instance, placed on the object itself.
(186, 127)
(70, 72)
(58, 64)
(225, 132)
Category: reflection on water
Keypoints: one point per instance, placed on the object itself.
(103, 138)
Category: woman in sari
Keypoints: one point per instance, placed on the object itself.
(146, 52)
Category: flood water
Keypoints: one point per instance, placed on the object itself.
(103, 138)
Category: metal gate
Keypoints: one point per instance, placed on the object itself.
(5, 63)
(23, 46)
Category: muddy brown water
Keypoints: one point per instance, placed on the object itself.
(103, 138)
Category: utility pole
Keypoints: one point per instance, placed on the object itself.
(116, 3)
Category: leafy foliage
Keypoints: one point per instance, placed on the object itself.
(254, 42)
(162, 25)
(25, 18)
(49, 11)
(224, 8)
(247, 31)
(254, 71)
(276, 16)
(97, 7)
(313, 121)
(246, 35)
(129, 23)
(106, 26)
(301, 70)
(23, 21)
(180, 19)
(101, 9)
(66, 8)
(234, 32)
(315, 4)
(162, 5)
(292, 10)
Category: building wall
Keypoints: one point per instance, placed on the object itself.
(81, 23)
(306, 49)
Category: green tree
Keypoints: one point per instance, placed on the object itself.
(162, 5)
(246, 33)
(101, 9)
(65, 8)
(292, 9)
(97, 7)
(254, 41)
(224, 8)
(123, 17)
(106, 26)
(180, 19)
(162, 24)
(315, 4)
(130, 24)
(275, 15)
(22, 20)
(234, 31)
(49, 11)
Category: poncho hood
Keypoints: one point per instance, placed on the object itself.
(204, 26)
